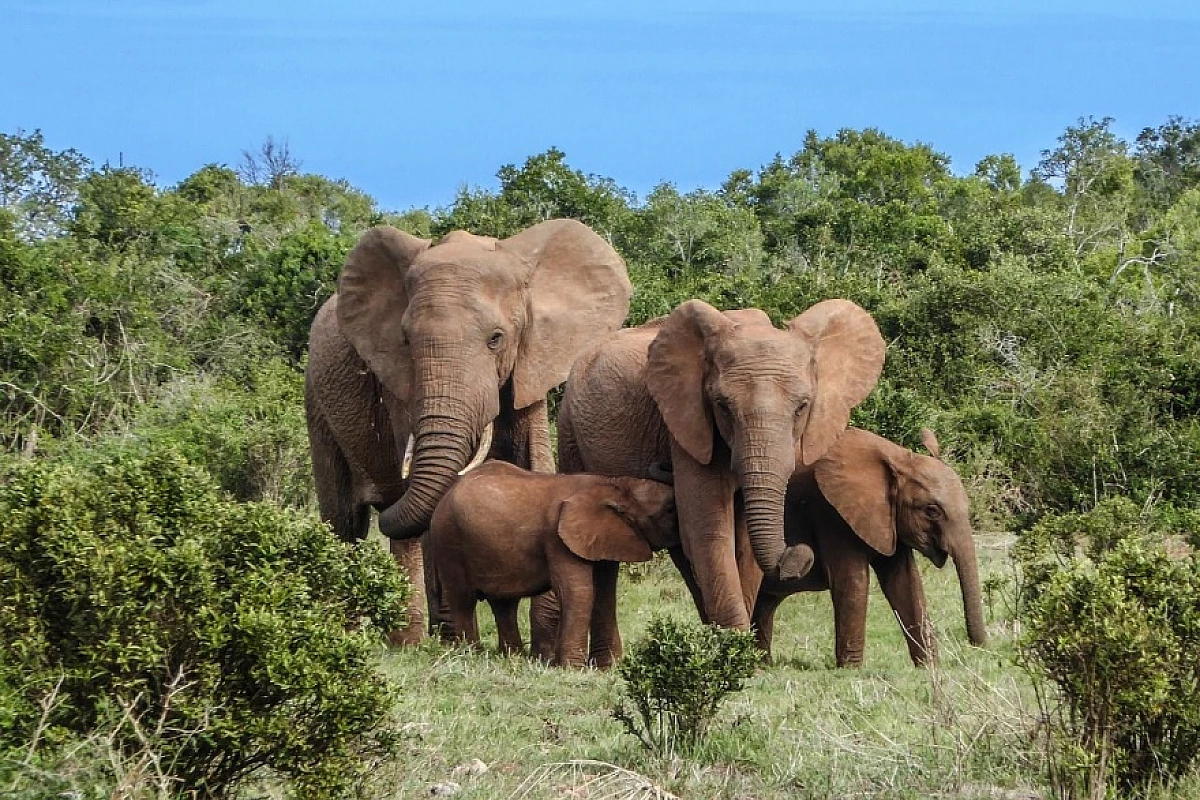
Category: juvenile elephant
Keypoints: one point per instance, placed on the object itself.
(502, 533)
(450, 348)
(869, 503)
(729, 400)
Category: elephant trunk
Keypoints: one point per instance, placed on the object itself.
(968, 578)
(764, 469)
(448, 429)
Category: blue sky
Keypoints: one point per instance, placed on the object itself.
(410, 101)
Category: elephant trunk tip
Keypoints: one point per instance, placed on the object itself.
(795, 562)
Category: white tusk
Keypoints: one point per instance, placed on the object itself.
(406, 464)
(484, 446)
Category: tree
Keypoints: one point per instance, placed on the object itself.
(270, 165)
(116, 206)
(37, 185)
(544, 188)
(1001, 172)
(1167, 161)
(1092, 167)
(696, 232)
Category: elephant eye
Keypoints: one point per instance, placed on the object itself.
(933, 511)
(495, 340)
(801, 408)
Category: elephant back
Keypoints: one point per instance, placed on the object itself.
(616, 428)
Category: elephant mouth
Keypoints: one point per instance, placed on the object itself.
(485, 444)
(938, 556)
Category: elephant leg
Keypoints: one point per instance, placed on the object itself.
(534, 422)
(605, 645)
(704, 498)
(505, 612)
(850, 584)
(544, 614)
(574, 585)
(902, 586)
(461, 624)
(689, 578)
(439, 614)
(408, 555)
(763, 621)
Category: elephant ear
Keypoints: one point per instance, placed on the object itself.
(848, 352)
(675, 365)
(371, 301)
(856, 478)
(929, 439)
(592, 525)
(578, 292)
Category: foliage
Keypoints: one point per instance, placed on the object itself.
(283, 286)
(677, 676)
(249, 434)
(132, 589)
(1048, 321)
(1112, 621)
(37, 185)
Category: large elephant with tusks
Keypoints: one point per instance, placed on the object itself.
(435, 356)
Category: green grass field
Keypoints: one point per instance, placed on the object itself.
(801, 728)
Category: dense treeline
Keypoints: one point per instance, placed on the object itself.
(1044, 324)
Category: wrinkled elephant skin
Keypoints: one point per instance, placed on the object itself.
(503, 533)
(869, 504)
(436, 342)
(728, 400)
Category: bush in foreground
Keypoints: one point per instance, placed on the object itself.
(677, 676)
(230, 640)
(1111, 609)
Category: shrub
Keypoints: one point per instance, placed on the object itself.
(131, 588)
(249, 433)
(1113, 622)
(677, 677)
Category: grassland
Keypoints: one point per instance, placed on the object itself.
(801, 728)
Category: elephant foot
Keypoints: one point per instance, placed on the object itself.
(406, 637)
(796, 562)
(602, 661)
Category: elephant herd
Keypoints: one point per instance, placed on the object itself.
(712, 434)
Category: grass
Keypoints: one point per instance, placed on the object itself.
(964, 729)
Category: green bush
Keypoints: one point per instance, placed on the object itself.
(1112, 620)
(248, 433)
(677, 676)
(241, 636)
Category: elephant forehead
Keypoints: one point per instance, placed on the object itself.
(468, 265)
(940, 481)
(758, 354)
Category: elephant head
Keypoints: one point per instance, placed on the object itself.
(621, 519)
(733, 383)
(449, 326)
(888, 494)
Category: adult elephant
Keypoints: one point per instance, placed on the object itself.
(429, 353)
(725, 398)
(868, 504)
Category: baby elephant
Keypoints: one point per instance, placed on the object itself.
(869, 504)
(502, 533)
